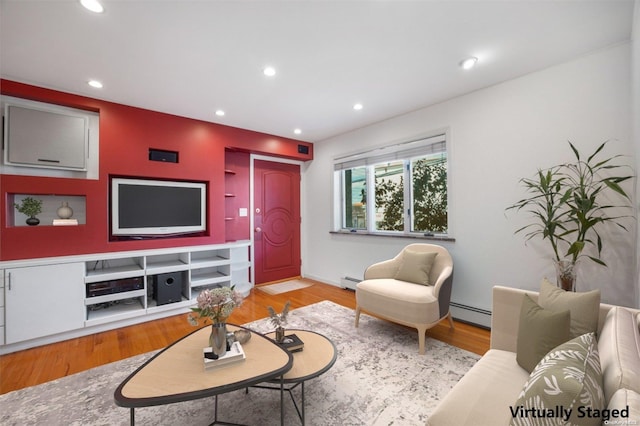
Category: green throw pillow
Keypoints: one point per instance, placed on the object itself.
(539, 331)
(584, 307)
(565, 388)
(415, 266)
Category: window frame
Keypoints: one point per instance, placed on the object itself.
(407, 151)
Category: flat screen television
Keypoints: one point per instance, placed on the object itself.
(146, 207)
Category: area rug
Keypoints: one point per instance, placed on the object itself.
(284, 287)
(378, 379)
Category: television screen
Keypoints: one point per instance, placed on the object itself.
(153, 207)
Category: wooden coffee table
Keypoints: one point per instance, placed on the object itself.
(318, 356)
(177, 373)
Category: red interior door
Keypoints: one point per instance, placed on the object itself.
(276, 221)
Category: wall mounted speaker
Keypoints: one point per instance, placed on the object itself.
(303, 149)
(163, 155)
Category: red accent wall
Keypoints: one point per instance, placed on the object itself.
(237, 196)
(126, 134)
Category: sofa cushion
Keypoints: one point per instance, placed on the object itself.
(539, 331)
(415, 266)
(584, 307)
(619, 347)
(483, 396)
(564, 386)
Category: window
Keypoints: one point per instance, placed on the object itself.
(409, 186)
(355, 198)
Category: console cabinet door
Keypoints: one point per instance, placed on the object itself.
(43, 300)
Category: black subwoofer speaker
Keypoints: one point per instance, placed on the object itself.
(167, 288)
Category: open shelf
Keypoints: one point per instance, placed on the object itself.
(114, 269)
(125, 308)
(98, 300)
(199, 267)
(163, 264)
(152, 307)
(206, 277)
(50, 205)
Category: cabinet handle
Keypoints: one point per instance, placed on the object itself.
(46, 160)
(9, 278)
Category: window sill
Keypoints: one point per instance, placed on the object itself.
(395, 235)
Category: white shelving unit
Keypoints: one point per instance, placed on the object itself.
(117, 287)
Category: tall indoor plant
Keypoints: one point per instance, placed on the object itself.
(569, 204)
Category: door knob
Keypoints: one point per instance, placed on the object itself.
(258, 229)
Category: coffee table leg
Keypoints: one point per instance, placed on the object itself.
(215, 411)
(133, 416)
(302, 403)
(282, 401)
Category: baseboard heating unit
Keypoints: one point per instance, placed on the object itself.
(349, 282)
(471, 314)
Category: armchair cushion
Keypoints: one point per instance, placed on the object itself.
(415, 266)
(540, 331)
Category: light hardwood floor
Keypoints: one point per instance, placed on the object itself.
(38, 365)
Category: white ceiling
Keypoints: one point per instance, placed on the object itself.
(190, 58)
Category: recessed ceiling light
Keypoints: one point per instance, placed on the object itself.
(297, 131)
(468, 63)
(92, 5)
(358, 106)
(269, 71)
(220, 113)
(95, 83)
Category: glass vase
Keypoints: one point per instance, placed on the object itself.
(279, 334)
(566, 274)
(218, 338)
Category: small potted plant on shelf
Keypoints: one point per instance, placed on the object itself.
(30, 207)
(570, 203)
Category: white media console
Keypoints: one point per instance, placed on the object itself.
(57, 298)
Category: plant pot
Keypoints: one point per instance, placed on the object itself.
(566, 274)
(32, 221)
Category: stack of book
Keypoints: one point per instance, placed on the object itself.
(292, 343)
(233, 355)
(65, 222)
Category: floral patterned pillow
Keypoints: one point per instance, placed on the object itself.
(565, 388)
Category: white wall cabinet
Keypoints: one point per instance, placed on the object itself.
(40, 138)
(58, 298)
(43, 300)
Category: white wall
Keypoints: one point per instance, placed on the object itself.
(635, 108)
(497, 135)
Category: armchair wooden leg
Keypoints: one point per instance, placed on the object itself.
(451, 326)
(422, 331)
(357, 316)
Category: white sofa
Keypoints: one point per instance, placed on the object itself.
(483, 397)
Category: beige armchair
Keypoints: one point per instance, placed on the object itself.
(412, 289)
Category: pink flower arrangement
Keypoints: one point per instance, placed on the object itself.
(215, 304)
